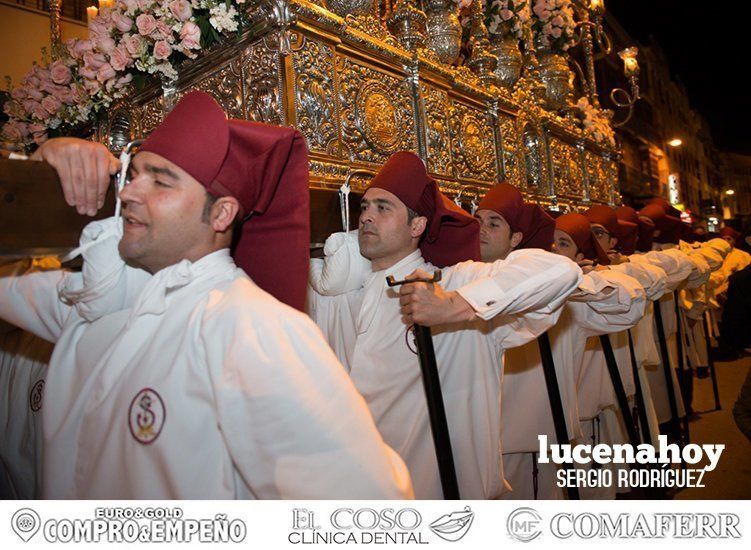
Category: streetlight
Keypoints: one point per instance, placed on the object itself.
(675, 142)
(730, 192)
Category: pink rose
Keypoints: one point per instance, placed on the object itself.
(162, 31)
(37, 128)
(144, 4)
(119, 58)
(130, 6)
(46, 85)
(29, 105)
(18, 94)
(30, 81)
(78, 93)
(92, 86)
(162, 50)
(190, 35)
(123, 82)
(34, 93)
(105, 72)
(15, 130)
(135, 45)
(40, 137)
(94, 60)
(98, 28)
(180, 9)
(40, 112)
(60, 73)
(14, 109)
(105, 45)
(65, 95)
(51, 104)
(80, 48)
(146, 24)
(87, 72)
(122, 22)
(556, 32)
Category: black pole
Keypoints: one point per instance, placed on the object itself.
(683, 378)
(437, 412)
(556, 403)
(674, 420)
(710, 361)
(620, 392)
(434, 397)
(641, 406)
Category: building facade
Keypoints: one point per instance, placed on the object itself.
(667, 146)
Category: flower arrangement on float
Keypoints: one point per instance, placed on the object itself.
(553, 24)
(596, 122)
(508, 18)
(127, 44)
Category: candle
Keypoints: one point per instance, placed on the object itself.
(91, 13)
(630, 64)
(597, 6)
(105, 4)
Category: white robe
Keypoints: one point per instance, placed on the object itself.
(605, 302)
(386, 370)
(201, 385)
(679, 270)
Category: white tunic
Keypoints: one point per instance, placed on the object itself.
(203, 386)
(385, 367)
(605, 302)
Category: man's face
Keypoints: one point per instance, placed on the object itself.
(496, 238)
(162, 214)
(605, 239)
(565, 246)
(384, 234)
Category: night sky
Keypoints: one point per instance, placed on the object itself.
(709, 48)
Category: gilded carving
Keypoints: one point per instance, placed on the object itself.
(314, 95)
(471, 142)
(533, 160)
(261, 82)
(226, 87)
(376, 113)
(512, 158)
(437, 129)
(567, 171)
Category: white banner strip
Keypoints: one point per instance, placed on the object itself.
(439, 524)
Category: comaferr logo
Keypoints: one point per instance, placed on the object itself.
(452, 527)
(524, 524)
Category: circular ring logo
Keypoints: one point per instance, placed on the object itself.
(146, 416)
(25, 523)
(35, 396)
(523, 524)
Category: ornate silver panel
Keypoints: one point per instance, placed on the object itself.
(315, 103)
(567, 169)
(472, 144)
(226, 86)
(512, 158)
(599, 190)
(376, 113)
(437, 130)
(261, 81)
(534, 160)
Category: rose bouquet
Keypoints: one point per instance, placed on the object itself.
(596, 122)
(553, 24)
(128, 43)
(507, 17)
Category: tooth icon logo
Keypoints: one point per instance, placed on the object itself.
(25, 523)
(452, 527)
